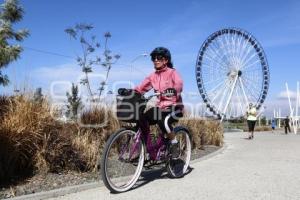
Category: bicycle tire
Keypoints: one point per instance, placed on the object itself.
(107, 178)
(177, 168)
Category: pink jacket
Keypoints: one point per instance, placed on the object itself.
(160, 80)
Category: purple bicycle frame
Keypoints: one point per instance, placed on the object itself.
(155, 149)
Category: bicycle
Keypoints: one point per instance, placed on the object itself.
(128, 150)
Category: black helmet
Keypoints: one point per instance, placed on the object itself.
(164, 52)
(161, 51)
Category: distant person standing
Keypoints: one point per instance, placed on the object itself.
(251, 120)
(287, 125)
(273, 124)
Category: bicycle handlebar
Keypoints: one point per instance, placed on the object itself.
(167, 93)
(154, 95)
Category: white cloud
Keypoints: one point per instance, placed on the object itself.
(281, 103)
(71, 72)
(56, 80)
(280, 106)
(284, 95)
(65, 72)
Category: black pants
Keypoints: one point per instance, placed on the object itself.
(251, 125)
(286, 128)
(164, 118)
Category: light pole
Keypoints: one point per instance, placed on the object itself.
(139, 56)
(133, 60)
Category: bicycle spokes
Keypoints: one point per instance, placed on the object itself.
(177, 167)
(123, 161)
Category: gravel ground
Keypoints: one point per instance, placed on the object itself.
(52, 181)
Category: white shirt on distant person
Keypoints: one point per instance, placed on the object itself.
(251, 114)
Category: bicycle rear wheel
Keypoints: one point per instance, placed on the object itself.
(122, 161)
(176, 168)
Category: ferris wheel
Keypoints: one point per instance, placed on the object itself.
(232, 71)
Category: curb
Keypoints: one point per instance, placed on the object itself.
(58, 192)
(208, 156)
(78, 188)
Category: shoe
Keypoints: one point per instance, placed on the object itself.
(174, 150)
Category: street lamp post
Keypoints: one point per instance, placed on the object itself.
(133, 60)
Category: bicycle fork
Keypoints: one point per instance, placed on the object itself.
(131, 146)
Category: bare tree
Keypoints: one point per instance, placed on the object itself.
(90, 57)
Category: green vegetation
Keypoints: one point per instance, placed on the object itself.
(74, 102)
(10, 13)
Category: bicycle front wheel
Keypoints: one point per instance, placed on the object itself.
(122, 160)
(176, 168)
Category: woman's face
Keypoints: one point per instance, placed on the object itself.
(159, 62)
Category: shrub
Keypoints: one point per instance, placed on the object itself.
(32, 141)
(21, 132)
(204, 132)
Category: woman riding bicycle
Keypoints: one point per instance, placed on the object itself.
(166, 81)
(128, 149)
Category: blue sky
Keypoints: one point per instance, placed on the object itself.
(139, 26)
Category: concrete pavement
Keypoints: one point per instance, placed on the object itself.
(267, 167)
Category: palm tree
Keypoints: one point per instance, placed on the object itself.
(10, 12)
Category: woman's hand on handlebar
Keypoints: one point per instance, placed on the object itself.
(169, 92)
(124, 91)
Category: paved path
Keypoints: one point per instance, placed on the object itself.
(267, 167)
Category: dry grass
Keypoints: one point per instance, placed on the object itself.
(4, 106)
(21, 132)
(263, 128)
(99, 123)
(204, 132)
(259, 128)
(31, 141)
